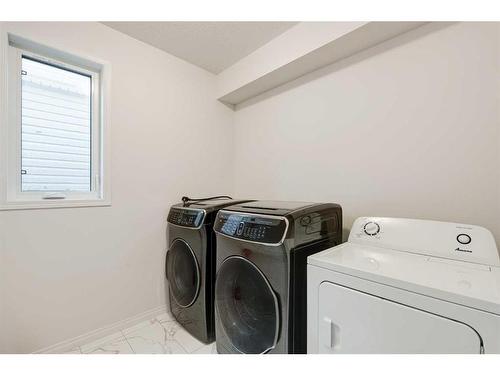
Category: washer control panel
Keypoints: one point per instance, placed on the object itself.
(249, 227)
(462, 242)
(186, 217)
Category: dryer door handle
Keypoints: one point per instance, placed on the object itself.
(329, 334)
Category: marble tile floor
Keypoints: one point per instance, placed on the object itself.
(160, 335)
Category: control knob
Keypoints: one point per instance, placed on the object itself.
(371, 228)
(464, 239)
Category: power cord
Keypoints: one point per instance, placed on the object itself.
(187, 200)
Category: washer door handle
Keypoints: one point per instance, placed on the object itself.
(166, 264)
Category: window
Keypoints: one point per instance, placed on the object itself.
(56, 116)
(54, 129)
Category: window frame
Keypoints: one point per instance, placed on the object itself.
(11, 179)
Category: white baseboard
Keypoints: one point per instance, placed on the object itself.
(96, 334)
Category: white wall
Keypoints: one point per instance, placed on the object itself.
(409, 128)
(65, 272)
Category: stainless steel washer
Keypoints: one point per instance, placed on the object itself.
(190, 265)
(260, 292)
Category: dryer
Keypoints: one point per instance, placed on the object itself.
(406, 286)
(260, 293)
(190, 264)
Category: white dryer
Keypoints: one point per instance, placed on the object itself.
(405, 286)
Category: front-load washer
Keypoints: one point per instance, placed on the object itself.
(190, 264)
(260, 296)
(406, 286)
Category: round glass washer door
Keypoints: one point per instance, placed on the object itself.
(183, 273)
(247, 306)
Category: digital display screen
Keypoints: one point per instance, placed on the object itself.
(251, 228)
(185, 218)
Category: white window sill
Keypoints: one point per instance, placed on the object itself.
(65, 203)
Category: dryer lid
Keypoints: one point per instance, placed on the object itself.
(468, 284)
(463, 242)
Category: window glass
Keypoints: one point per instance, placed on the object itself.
(55, 128)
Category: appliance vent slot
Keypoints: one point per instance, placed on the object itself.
(261, 208)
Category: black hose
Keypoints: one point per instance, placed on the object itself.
(187, 200)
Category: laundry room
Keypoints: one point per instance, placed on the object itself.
(249, 184)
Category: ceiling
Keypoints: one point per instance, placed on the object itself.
(213, 46)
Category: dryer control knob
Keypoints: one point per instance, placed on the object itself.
(371, 228)
(464, 239)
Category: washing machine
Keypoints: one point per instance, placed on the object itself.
(190, 264)
(260, 292)
(406, 286)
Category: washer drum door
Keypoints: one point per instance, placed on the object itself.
(246, 306)
(183, 273)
